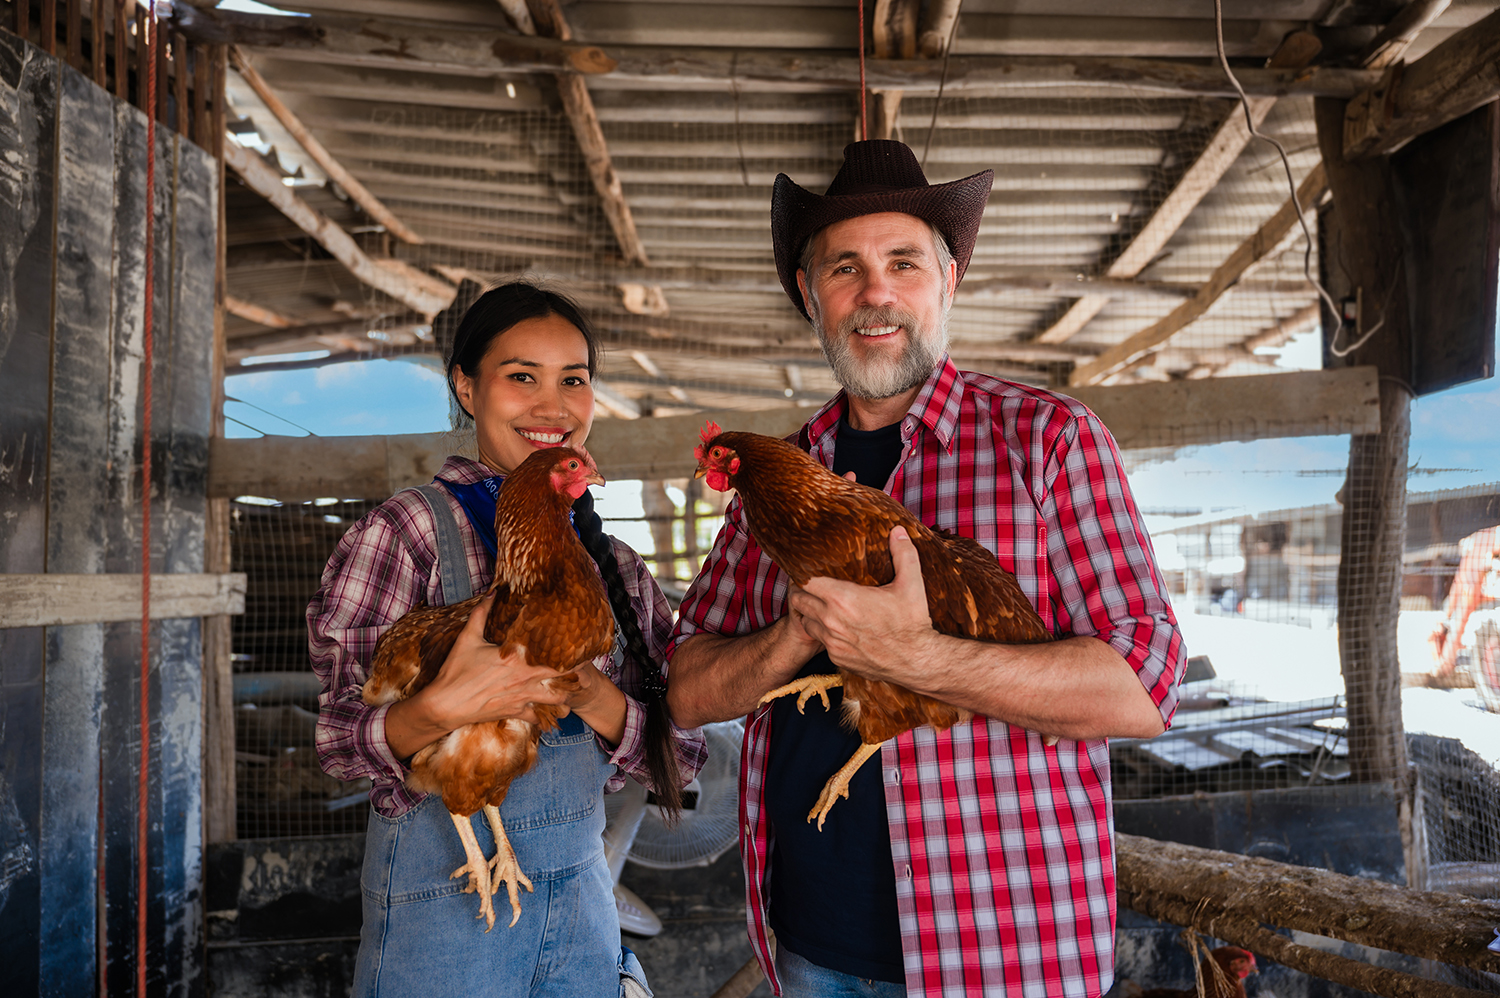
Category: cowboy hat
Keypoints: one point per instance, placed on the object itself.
(878, 175)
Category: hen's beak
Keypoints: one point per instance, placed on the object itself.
(594, 478)
(700, 472)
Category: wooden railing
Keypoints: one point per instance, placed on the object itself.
(102, 40)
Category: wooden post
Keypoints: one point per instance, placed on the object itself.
(180, 49)
(122, 64)
(49, 26)
(22, 11)
(163, 82)
(96, 41)
(74, 14)
(219, 791)
(1362, 250)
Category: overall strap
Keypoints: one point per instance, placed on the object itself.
(453, 563)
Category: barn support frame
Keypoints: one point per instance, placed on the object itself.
(71, 364)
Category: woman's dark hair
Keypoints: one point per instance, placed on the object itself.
(661, 761)
(498, 309)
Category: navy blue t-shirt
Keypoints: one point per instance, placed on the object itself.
(833, 893)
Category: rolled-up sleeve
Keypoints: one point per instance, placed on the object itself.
(369, 582)
(739, 589)
(1108, 584)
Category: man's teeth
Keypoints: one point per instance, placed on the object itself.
(877, 330)
(543, 438)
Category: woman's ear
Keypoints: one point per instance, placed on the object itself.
(463, 388)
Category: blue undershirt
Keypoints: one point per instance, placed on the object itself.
(833, 892)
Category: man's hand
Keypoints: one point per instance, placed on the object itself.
(881, 632)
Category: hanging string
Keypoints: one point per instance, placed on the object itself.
(864, 119)
(942, 82)
(143, 785)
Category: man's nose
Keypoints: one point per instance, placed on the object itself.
(876, 290)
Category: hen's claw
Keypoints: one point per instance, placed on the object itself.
(838, 784)
(478, 869)
(806, 688)
(505, 866)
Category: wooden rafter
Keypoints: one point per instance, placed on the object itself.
(894, 36)
(1457, 76)
(402, 282)
(1201, 177)
(256, 313)
(548, 21)
(368, 42)
(1266, 240)
(335, 170)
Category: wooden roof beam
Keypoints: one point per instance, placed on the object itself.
(1462, 73)
(548, 21)
(1201, 177)
(335, 170)
(1266, 240)
(333, 40)
(256, 313)
(401, 281)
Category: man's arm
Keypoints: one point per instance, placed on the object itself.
(1079, 687)
(716, 678)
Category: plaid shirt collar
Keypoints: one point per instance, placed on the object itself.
(935, 407)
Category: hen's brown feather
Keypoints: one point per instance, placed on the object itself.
(811, 522)
(548, 599)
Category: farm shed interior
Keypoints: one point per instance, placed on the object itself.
(338, 186)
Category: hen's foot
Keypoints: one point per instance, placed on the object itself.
(478, 869)
(505, 866)
(838, 784)
(806, 688)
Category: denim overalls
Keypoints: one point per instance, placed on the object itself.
(422, 935)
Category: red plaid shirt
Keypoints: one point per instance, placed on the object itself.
(1002, 848)
(384, 565)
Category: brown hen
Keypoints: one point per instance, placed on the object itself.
(549, 601)
(811, 523)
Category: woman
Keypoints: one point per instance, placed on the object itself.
(521, 369)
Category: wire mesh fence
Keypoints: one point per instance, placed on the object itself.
(1080, 181)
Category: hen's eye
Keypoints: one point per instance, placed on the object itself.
(572, 465)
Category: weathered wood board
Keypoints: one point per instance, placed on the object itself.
(72, 226)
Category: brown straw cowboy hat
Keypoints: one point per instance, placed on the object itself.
(878, 175)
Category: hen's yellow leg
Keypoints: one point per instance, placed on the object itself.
(478, 869)
(806, 688)
(838, 784)
(505, 866)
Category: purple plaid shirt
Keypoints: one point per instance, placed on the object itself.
(1001, 846)
(384, 565)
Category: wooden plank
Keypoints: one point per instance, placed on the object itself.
(74, 15)
(76, 532)
(98, 17)
(122, 65)
(1460, 74)
(938, 19)
(180, 82)
(1266, 239)
(1314, 403)
(54, 599)
(28, 147)
(49, 27)
(318, 152)
(1447, 186)
(260, 178)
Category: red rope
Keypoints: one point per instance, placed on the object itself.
(864, 118)
(149, 35)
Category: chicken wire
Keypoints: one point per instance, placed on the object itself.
(499, 195)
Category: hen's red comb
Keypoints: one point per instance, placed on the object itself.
(709, 432)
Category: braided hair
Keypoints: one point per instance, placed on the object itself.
(492, 314)
(661, 761)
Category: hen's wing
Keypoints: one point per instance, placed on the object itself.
(410, 653)
(970, 595)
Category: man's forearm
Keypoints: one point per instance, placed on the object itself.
(1079, 687)
(717, 678)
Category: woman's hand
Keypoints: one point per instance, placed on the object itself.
(475, 684)
(598, 702)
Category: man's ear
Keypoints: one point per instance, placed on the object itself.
(802, 284)
(952, 281)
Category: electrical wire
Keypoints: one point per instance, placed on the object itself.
(268, 412)
(1290, 180)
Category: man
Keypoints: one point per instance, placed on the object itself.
(977, 860)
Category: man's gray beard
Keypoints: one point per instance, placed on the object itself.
(881, 381)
